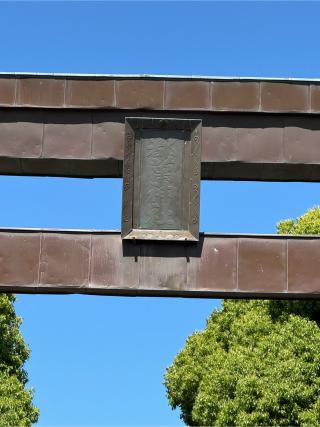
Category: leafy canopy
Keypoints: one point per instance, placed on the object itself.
(256, 363)
(16, 407)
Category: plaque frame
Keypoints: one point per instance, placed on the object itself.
(191, 181)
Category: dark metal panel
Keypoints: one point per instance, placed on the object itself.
(187, 95)
(42, 92)
(212, 264)
(113, 264)
(19, 259)
(67, 136)
(161, 199)
(7, 91)
(162, 266)
(315, 98)
(235, 96)
(259, 140)
(304, 266)
(284, 97)
(145, 94)
(108, 136)
(64, 260)
(262, 265)
(21, 133)
(302, 140)
(10, 166)
(90, 93)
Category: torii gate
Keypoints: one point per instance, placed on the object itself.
(74, 126)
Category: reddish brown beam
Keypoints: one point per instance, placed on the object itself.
(90, 144)
(228, 266)
(160, 93)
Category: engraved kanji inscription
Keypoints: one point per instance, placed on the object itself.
(161, 201)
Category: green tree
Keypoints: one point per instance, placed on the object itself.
(256, 363)
(16, 407)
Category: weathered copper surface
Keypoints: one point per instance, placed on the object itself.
(82, 93)
(279, 96)
(252, 129)
(140, 94)
(186, 95)
(277, 147)
(315, 98)
(237, 266)
(7, 91)
(236, 96)
(161, 179)
(160, 93)
(41, 92)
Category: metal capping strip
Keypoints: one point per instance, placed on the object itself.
(155, 76)
(156, 92)
(37, 261)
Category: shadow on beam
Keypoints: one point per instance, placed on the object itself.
(112, 168)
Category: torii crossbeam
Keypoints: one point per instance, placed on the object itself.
(73, 126)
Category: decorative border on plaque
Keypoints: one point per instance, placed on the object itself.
(132, 174)
(127, 186)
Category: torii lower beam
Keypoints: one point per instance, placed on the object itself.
(98, 262)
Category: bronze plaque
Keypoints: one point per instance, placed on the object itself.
(161, 179)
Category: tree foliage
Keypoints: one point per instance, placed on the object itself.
(256, 363)
(16, 407)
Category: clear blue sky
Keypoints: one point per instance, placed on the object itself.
(100, 360)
